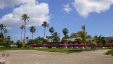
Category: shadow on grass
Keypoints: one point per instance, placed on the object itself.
(73, 51)
(5, 49)
(62, 50)
(110, 52)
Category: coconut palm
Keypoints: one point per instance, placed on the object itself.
(84, 34)
(65, 32)
(100, 40)
(51, 30)
(32, 30)
(45, 24)
(56, 38)
(22, 27)
(25, 18)
(1, 28)
(5, 31)
(74, 35)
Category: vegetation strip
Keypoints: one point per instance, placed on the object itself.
(110, 52)
(65, 50)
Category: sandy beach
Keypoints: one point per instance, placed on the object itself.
(40, 57)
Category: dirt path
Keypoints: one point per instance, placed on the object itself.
(39, 57)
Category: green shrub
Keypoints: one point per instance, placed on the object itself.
(20, 44)
(110, 52)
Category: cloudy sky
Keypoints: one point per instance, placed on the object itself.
(97, 15)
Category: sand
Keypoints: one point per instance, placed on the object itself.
(40, 57)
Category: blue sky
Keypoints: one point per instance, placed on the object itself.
(97, 18)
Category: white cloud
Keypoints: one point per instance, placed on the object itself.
(11, 3)
(38, 12)
(67, 8)
(85, 7)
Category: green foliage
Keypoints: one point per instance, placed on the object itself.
(25, 18)
(99, 40)
(20, 44)
(22, 27)
(45, 24)
(65, 32)
(39, 40)
(83, 34)
(55, 36)
(5, 40)
(32, 30)
(65, 50)
(110, 52)
(3, 49)
(74, 35)
(62, 50)
(1, 42)
(51, 30)
(64, 41)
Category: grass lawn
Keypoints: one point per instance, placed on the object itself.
(4, 49)
(65, 50)
(110, 52)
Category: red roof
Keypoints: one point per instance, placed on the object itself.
(112, 43)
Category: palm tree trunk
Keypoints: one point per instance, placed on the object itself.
(21, 35)
(44, 32)
(24, 34)
(32, 36)
(1, 31)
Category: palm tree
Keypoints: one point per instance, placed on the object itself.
(5, 31)
(32, 30)
(74, 35)
(65, 32)
(25, 18)
(45, 24)
(100, 40)
(56, 38)
(1, 28)
(51, 30)
(84, 34)
(22, 27)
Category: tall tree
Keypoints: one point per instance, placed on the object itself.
(56, 38)
(84, 34)
(5, 31)
(1, 28)
(51, 30)
(32, 30)
(22, 27)
(99, 40)
(74, 35)
(65, 32)
(25, 18)
(45, 24)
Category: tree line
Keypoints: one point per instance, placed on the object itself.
(78, 37)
